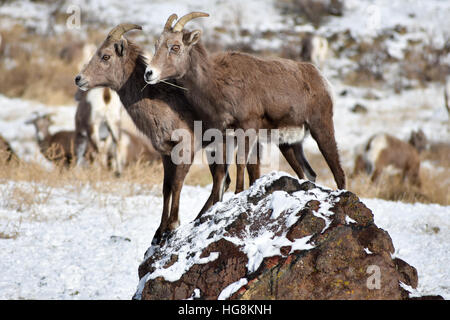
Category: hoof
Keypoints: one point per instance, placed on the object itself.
(159, 239)
(156, 241)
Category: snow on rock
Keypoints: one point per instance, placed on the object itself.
(282, 233)
(232, 288)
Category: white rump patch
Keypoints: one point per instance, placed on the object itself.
(291, 135)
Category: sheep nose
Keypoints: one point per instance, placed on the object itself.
(77, 79)
(148, 74)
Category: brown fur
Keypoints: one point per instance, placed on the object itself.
(57, 147)
(402, 155)
(238, 90)
(157, 110)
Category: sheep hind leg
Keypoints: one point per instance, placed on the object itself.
(323, 134)
(289, 154)
(300, 156)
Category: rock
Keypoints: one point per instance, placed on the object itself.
(359, 108)
(281, 239)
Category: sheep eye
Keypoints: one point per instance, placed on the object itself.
(175, 48)
(106, 57)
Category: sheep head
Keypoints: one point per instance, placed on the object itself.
(106, 67)
(172, 49)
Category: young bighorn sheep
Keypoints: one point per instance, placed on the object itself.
(157, 110)
(384, 151)
(57, 147)
(6, 152)
(238, 90)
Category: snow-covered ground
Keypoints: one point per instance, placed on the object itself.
(82, 244)
(421, 236)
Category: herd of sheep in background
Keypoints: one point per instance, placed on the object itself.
(135, 125)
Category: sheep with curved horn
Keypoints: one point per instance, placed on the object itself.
(157, 110)
(291, 97)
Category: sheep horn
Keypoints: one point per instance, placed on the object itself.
(170, 21)
(119, 30)
(186, 18)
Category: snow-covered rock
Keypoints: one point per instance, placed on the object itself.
(282, 239)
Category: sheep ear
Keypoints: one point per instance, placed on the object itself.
(193, 37)
(120, 47)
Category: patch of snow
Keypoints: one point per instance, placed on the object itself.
(421, 236)
(412, 292)
(232, 288)
(281, 201)
(349, 220)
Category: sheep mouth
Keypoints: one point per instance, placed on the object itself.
(152, 81)
(83, 86)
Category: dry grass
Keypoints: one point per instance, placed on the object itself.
(435, 181)
(147, 179)
(101, 179)
(36, 68)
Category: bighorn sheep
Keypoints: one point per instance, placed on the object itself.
(157, 110)
(384, 151)
(57, 147)
(103, 126)
(6, 152)
(238, 90)
(314, 49)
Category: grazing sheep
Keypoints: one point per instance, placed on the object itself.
(384, 152)
(57, 147)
